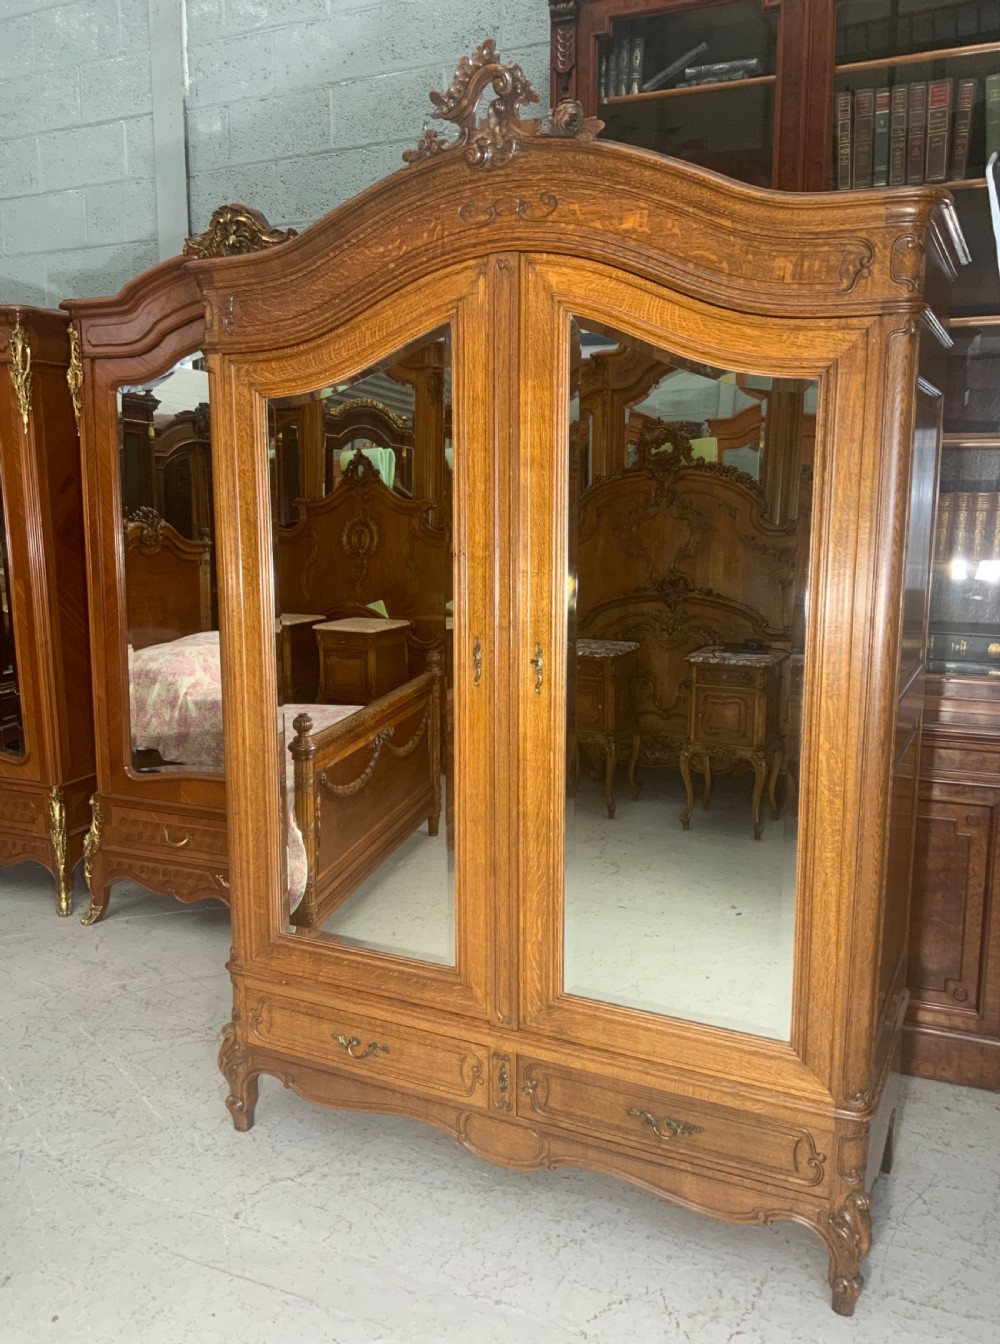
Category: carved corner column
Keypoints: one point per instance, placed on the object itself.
(564, 16)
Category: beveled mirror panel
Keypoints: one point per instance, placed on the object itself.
(688, 542)
(363, 580)
(172, 636)
(11, 717)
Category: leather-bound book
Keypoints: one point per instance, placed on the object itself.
(864, 130)
(897, 135)
(939, 96)
(963, 126)
(915, 137)
(843, 141)
(880, 138)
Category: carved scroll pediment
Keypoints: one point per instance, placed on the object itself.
(492, 140)
(233, 231)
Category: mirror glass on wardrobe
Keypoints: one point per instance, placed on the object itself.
(11, 719)
(687, 545)
(172, 636)
(362, 546)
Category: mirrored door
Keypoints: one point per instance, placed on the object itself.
(687, 540)
(171, 602)
(363, 626)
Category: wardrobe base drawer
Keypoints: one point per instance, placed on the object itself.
(25, 811)
(164, 832)
(674, 1126)
(385, 1052)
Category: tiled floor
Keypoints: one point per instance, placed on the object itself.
(130, 1210)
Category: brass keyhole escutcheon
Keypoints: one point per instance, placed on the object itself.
(538, 663)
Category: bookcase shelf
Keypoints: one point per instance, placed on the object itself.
(920, 57)
(970, 441)
(657, 94)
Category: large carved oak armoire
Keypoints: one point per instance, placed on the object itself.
(517, 1027)
(46, 738)
(154, 820)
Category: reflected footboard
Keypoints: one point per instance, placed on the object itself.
(362, 786)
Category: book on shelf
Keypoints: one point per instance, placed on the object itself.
(744, 69)
(623, 63)
(916, 132)
(864, 128)
(992, 115)
(909, 133)
(942, 531)
(635, 64)
(844, 108)
(670, 71)
(880, 138)
(939, 100)
(897, 135)
(961, 525)
(964, 104)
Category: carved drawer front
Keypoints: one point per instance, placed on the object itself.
(726, 717)
(26, 813)
(165, 833)
(673, 1126)
(727, 676)
(382, 1051)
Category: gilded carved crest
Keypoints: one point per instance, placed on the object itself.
(493, 140)
(149, 521)
(233, 231)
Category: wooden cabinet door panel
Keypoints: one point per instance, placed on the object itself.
(952, 871)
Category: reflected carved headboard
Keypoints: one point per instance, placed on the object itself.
(168, 581)
(375, 545)
(676, 555)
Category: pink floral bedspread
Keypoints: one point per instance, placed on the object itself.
(175, 692)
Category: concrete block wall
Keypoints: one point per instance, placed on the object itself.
(297, 105)
(292, 106)
(77, 196)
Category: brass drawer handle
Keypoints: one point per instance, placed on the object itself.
(666, 1127)
(351, 1043)
(176, 844)
(538, 663)
(477, 661)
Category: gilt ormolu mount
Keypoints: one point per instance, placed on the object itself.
(492, 140)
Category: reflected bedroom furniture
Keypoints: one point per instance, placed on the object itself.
(47, 743)
(163, 828)
(606, 670)
(361, 658)
(506, 241)
(735, 715)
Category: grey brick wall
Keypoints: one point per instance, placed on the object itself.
(292, 106)
(77, 200)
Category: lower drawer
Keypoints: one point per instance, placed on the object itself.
(659, 1122)
(23, 810)
(383, 1051)
(164, 832)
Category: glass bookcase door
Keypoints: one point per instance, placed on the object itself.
(697, 83)
(965, 592)
(915, 85)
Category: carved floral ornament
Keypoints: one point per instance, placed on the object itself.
(492, 140)
(233, 231)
